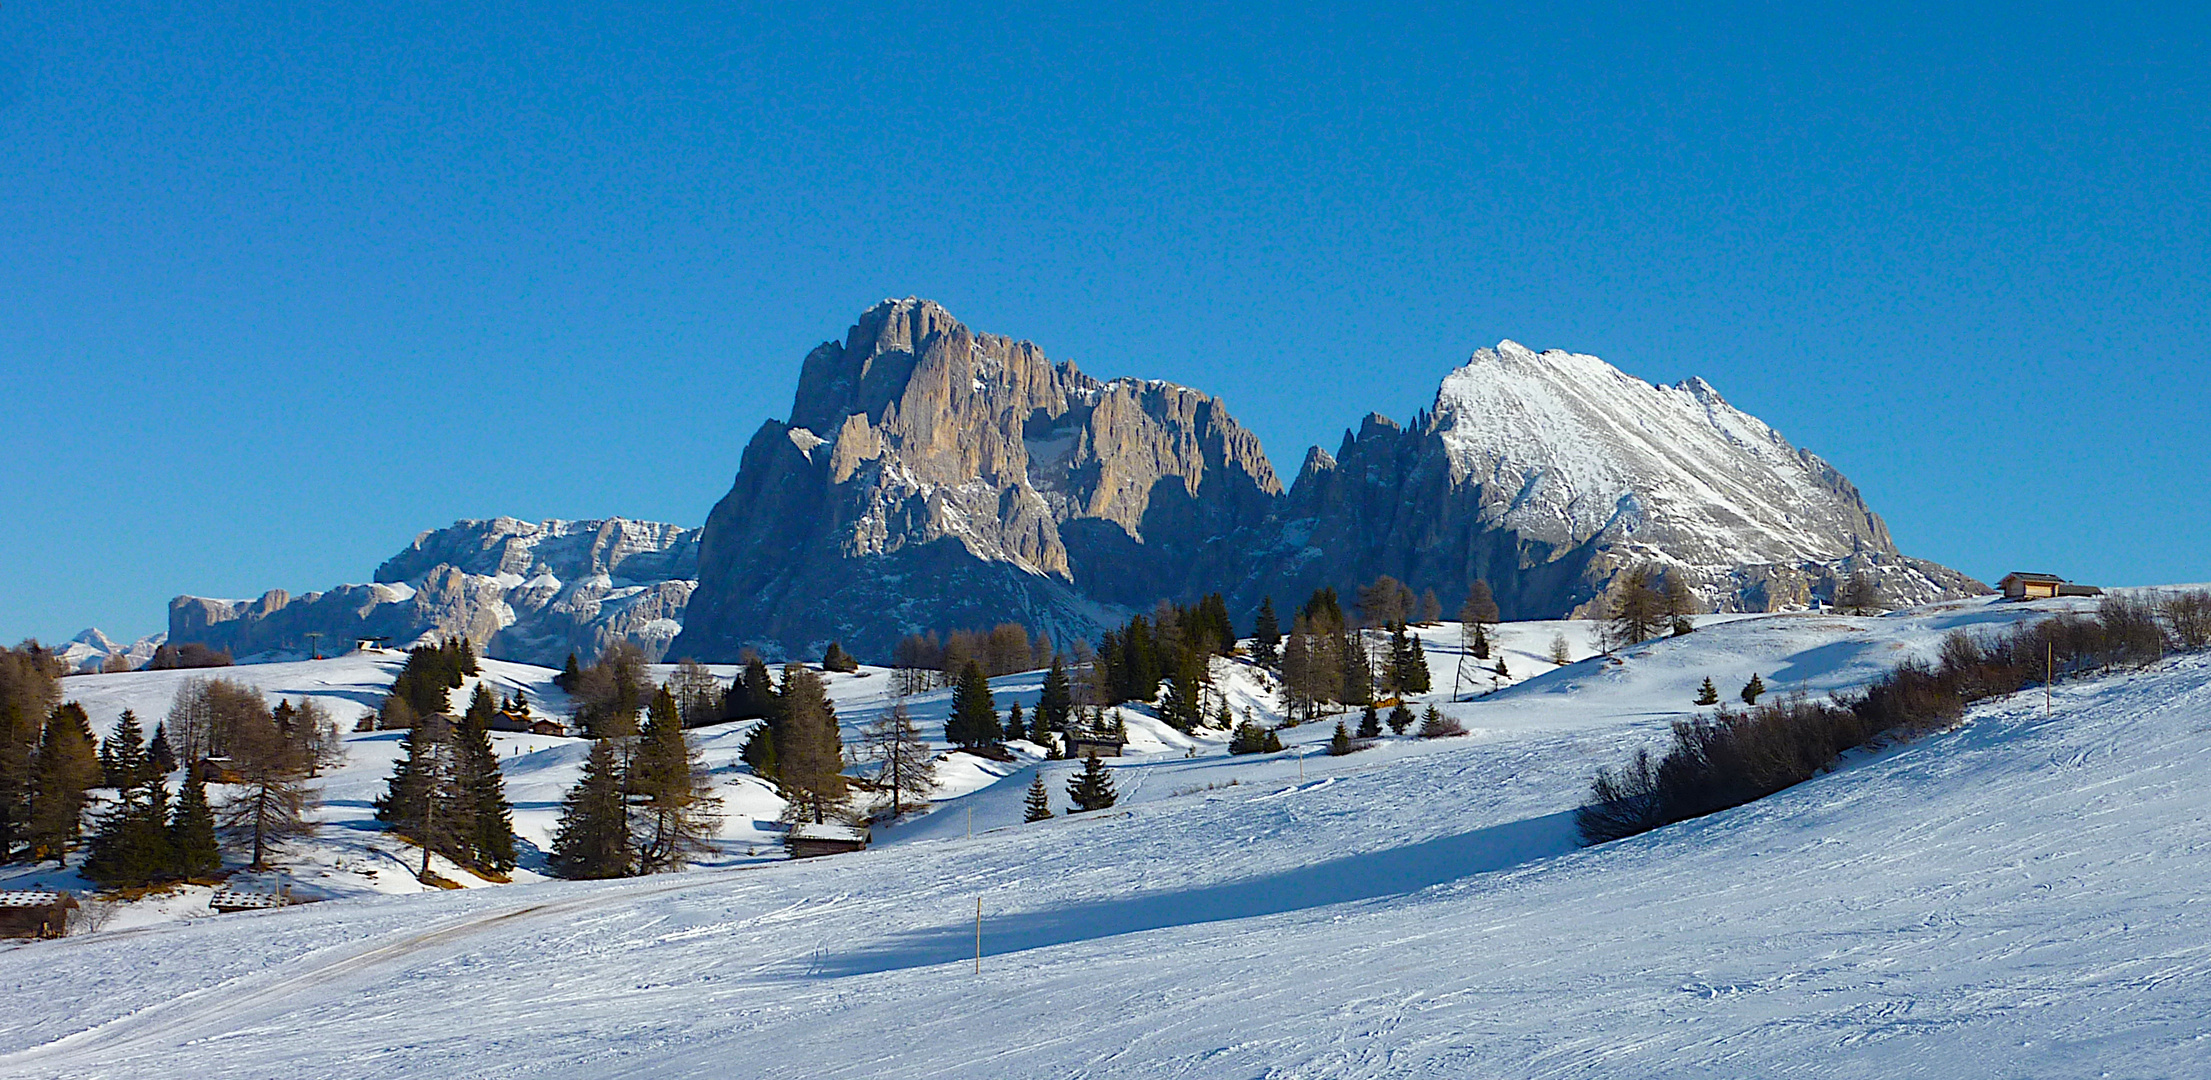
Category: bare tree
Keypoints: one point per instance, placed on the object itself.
(270, 806)
(1385, 602)
(697, 692)
(1637, 610)
(906, 768)
(1858, 594)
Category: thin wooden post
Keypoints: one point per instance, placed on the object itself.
(978, 935)
(2049, 674)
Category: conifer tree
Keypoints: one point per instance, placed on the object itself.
(124, 762)
(1415, 679)
(1752, 689)
(1708, 694)
(193, 849)
(1272, 744)
(1339, 744)
(1358, 675)
(130, 840)
(680, 811)
(1016, 726)
(66, 767)
(1401, 719)
(482, 793)
(424, 799)
(569, 674)
(1266, 635)
(1431, 723)
(1480, 648)
(593, 839)
(1183, 706)
(1039, 805)
(1092, 788)
(1370, 725)
(974, 719)
(159, 754)
(838, 660)
(810, 766)
(1058, 702)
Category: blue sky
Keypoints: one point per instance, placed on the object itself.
(283, 285)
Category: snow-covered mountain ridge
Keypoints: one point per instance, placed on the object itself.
(525, 591)
(931, 477)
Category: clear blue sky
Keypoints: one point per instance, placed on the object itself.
(282, 285)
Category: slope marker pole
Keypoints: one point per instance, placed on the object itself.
(978, 935)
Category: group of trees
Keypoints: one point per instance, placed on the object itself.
(1386, 601)
(446, 793)
(1167, 658)
(50, 764)
(1735, 756)
(1323, 660)
(140, 838)
(645, 802)
(1089, 790)
(925, 661)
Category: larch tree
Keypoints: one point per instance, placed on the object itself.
(906, 770)
(1637, 612)
(270, 806)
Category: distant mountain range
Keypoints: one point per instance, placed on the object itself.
(930, 477)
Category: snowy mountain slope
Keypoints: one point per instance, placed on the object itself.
(526, 591)
(2015, 897)
(1548, 474)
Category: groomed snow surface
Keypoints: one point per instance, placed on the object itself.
(2017, 897)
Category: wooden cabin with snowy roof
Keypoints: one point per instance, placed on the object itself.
(35, 913)
(810, 841)
(2021, 585)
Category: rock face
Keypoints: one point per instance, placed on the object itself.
(1546, 474)
(521, 590)
(930, 477)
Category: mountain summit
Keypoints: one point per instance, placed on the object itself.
(931, 477)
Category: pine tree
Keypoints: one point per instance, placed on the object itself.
(158, 754)
(1266, 635)
(1480, 648)
(1708, 694)
(570, 673)
(1272, 744)
(1401, 718)
(1248, 738)
(1091, 789)
(1432, 723)
(593, 839)
(974, 719)
(1358, 675)
(130, 840)
(1183, 705)
(65, 768)
(1339, 744)
(1016, 727)
(424, 799)
(1370, 725)
(1752, 689)
(193, 850)
(680, 810)
(837, 660)
(124, 762)
(482, 791)
(1057, 703)
(1039, 804)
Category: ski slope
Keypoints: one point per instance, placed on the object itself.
(2019, 896)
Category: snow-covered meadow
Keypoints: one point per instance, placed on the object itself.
(2015, 897)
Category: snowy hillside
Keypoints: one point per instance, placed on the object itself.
(2016, 897)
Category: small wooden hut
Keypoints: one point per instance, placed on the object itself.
(35, 913)
(809, 841)
(2021, 585)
